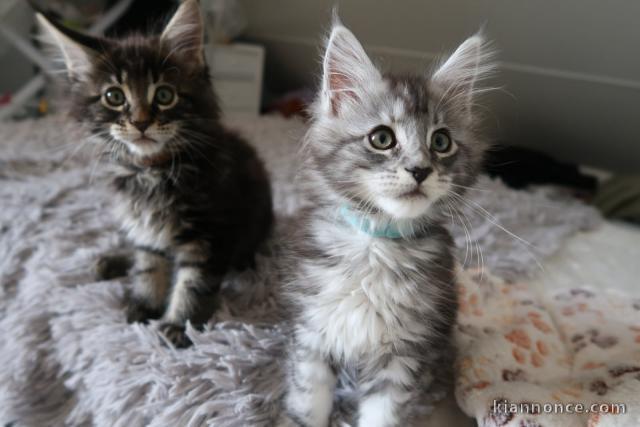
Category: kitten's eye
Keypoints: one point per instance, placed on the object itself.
(382, 138)
(114, 97)
(441, 142)
(164, 95)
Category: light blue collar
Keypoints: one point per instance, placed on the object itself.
(364, 224)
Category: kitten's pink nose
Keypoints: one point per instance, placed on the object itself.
(141, 125)
(419, 174)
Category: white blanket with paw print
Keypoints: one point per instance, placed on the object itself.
(532, 359)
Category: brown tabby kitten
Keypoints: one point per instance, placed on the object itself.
(193, 198)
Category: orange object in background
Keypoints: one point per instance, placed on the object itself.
(43, 106)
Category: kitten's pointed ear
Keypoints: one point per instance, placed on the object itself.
(461, 73)
(76, 49)
(347, 70)
(185, 32)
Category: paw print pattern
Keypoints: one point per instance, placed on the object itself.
(598, 387)
(529, 423)
(557, 348)
(514, 375)
(497, 416)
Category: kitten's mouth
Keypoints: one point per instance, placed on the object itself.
(144, 140)
(413, 194)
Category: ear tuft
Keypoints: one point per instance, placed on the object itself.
(470, 64)
(347, 70)
(185, 32)
(76, 50)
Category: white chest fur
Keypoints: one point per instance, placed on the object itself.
(144, 225)
(366, 302)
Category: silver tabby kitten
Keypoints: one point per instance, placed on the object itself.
(372, 268)
(192, 197)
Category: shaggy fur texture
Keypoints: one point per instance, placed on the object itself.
(68, 355)
(379, 300)
(192, 197)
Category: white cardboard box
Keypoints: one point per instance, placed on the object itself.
(236, 71)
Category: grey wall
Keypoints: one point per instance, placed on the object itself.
(571, 68)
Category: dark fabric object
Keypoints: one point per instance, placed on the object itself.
(146, 16)
(519, 167)
(142, 16)
(619, 198)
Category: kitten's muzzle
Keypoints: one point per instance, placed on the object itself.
(141, 125)
(419, 174)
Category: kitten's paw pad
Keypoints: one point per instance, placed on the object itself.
(176, 334)
(109, 267)
(140, 313)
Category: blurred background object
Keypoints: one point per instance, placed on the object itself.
(93, 17)
(224, 20)
(15, 67)
(16, 19)
(236, 68)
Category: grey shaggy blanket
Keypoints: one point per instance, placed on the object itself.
(67, 355)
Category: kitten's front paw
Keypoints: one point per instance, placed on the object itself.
(176, 334)
(137, 312)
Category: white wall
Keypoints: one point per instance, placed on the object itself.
(571, 67)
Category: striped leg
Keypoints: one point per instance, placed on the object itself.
(152, 278)
(310, 390)
(194, 293)
(386, 393)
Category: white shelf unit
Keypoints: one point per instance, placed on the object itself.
(237, 73)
